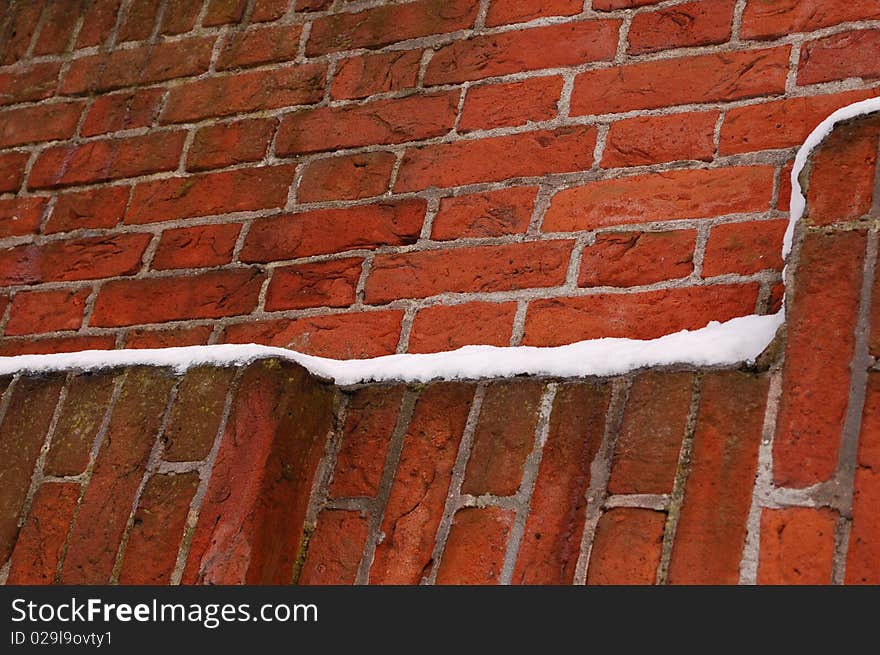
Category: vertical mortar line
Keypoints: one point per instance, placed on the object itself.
(461, 99)
(681, 475)
(777, 186)
(430, 214)
(523, 496)
(4, 318)
(575, 261)
(406, 325)
(847, 458)
(623, 38)
(121, 16)
(716, 133)
(38, 29)
(366, 267)
(152, 465)
(563, 106)
(519, 322)
(480, 23)
(793, 63)
(542, 203)
(602, 130)
(204, 470)
(453, 497)
(762, 489)
(303, 38)
(160, 17)
(395, 171)
(703, 231)
(377, 506)
(736, 26)
(427, 54)
(600, 472)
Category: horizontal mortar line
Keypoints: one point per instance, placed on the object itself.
(658, 502)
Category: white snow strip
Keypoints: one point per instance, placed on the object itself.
(735, 341)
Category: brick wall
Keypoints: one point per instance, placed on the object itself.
(355, 179)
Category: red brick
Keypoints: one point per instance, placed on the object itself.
(505, 12)
(73, 259)
(689, 24)
(783, 202)
(32, 82)
(379, 26)
(59, 21)
(99, 20)
(12, 170)
(135, 66)
(86, 404)
(462, 270)
(840, 56)
(447, 327)
(797, 546)
(321, 284)
(418, 493)
(504, 437)
(684, 80)
(46, 311)
(711, 527)
(18, 32)
(122, 111)
(516, 103)
(194, 418)
(816, 374)
(247, 91)
(157, 529)
(777, 292)
(342, 336)
(628, 259)
(474, 552)
(645, 315)
(366, 75)
(654, 424)
(376, 123)
(497, 158)
(351, 228)
(672, 195)
(210, 193)
(45, 122)
(335, 549)
(350, 177)
(259, 45)
(268, 10)
(139, 21)
(22, 434)
(21, 216)
(765, 19)
(489, 214)
(222, 12)
(841, 185)
(311, 5)
(196, 247)
(252, 520)
(626, 548)
(95, 208)
(32, 346)
(656, 139)
(197, 336)
(180, 16)
(780, 123)
(551, 46)
(119, 468)
(744, 248)
(157, 300)
(370, 421)
(611, 5)
(863, 555)
(551, 542)
(107, 159)
(40, 543)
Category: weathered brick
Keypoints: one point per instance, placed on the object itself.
(210, 193)
(28, 83)
(195, 416)
(643, 315)
(797, 546)
(418, 493)
(320, 284)
(148, 338)
(139, 21)
(655, 139)
(120, 465)
(379, 26)
(223, 12)
(366, 75)
(12, 170)
(626, 548)
(23, 21)
(44, 122)
(33, 312)
(551, 46)
(626, 259)
(352, 228)
(711, 527)
(157, 300)
(157, 529)
(350, 177)
(665, 196)
(474, 551)
(840, 56)
(31, 346)
(196, 247)
(335, 549)
(59, 21)
(343, 336)
(122, 111)
(461, 270)
(744, 248)
(702, 78)
(816, 373)
(265, 11)
(552, 538)
(259, 45)
(226, 144)
(489, 214)
(511, 104)
(21, 216)
(180, 16)
(95, 208)
(376, 123)
(447, 327)
(99, 19)
(764, 19)
(505, 12)
(689, 24)
(504, 437)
